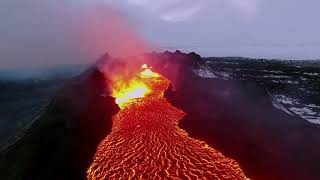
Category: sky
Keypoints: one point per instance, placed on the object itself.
(49, 32)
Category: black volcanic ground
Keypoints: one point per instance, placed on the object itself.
(262, 113)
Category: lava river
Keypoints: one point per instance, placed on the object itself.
(146, 143)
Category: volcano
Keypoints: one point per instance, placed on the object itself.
(173, 123)
(146, 142)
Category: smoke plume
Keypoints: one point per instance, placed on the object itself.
(38, 33)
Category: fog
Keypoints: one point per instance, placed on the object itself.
(37, 33)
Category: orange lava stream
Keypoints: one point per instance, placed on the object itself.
(146, 143)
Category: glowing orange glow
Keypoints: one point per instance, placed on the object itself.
(147, 143)
(147, 72)
(128, 91)
(144, 66)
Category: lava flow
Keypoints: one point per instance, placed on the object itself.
(146, 142)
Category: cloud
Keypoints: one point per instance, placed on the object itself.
(179, 15)
(183, 10)
(170, 10)
(248, 8)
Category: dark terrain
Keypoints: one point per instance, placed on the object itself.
(61, 143)
(24, 95)
(21, 101)
(231, 105)
(262, 113)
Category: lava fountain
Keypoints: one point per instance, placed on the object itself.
(146, 142)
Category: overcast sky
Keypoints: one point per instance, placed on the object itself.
(47, 32)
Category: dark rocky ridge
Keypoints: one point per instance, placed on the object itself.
(238, 119)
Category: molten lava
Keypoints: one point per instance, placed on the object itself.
(130, 90)
(126, 91)
(147, 73)
(146, 142)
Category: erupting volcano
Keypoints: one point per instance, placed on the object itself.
(146, 141)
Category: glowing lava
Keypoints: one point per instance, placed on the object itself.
(131, 90)
(126, 91)
(147, 73)
(146, 142)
